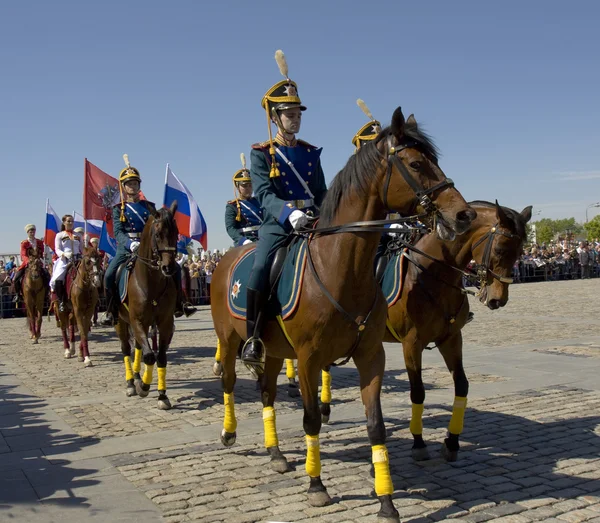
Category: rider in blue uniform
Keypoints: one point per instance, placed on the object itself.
(243, 215)
(129, 219)
(289, 183)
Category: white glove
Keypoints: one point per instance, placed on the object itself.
(134, 247)
(395, 226)
(246, 242)
(298, 219)
(68, 255)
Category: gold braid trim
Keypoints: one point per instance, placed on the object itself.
(274, 170)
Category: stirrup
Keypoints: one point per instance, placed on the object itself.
(256, 368)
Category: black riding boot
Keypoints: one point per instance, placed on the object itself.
(61, 294)
(252, 352)
(181, 307)
(17, 284)
(112, 308)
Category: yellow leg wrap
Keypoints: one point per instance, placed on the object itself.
(218, 353)
(325, 387)
(416, 422)
(147, 377)
(128, 371)
(381, 463)
(270, 427)
(290, 371)
(313, 456)
(458, 415)
(137, 360)
(162, 378)
(229, 423)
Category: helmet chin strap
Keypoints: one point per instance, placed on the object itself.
(278, 122)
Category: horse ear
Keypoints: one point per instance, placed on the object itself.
(411, 120)
(501, 215)
(173, 208)
(397, 126)
(526, 213)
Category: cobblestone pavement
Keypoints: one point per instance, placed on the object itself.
(530, 450)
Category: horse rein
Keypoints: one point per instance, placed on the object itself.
(153, 263)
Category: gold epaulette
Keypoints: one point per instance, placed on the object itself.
(261, 145)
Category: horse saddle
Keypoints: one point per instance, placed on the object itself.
(286, 276)
(122, 277)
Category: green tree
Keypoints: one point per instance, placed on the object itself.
(547, 229)
(593, 228)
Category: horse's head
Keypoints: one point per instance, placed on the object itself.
(164, 239)
(91, 263)
(413, 175)
(497, 245)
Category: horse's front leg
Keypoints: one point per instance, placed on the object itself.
(165, 334)
(308, 373)
(325, 394)
(140, 333)
(123, 333)
(371, 369)
(451, 350)
(268, 392)
(413, 360)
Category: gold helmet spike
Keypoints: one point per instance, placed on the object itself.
(364, 109)
(281, 63)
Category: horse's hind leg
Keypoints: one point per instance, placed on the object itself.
(451, 350)
(228, 379)
(290, 373)
(268, 392)
(371, 375)
(137, 362)
(217, 366)
(325, 395)
(141, 337)
(123, 333)
(413, 360)
(165, 337)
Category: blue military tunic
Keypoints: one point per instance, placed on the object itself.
(301, 185)
(136, 216)
(251, 218)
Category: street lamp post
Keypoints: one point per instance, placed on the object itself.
(597, 204)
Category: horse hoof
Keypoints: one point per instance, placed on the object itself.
(72, 350)
(164, 403)
(293, 390)
(447, 454)
(87, 362)
(67, 354)
(324, 419)
(130, 391)
(280, 465)
(217, 369)
(421, 454)
(142, 389)
(80, 358)
(228, 438)
(319, 499)
(35, 341)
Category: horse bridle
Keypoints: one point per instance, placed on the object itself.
(421, 192)
(153, 263)
(483, 268)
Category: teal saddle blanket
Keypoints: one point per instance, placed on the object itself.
(393, 278)
(288, 286)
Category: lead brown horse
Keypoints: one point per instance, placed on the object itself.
(151, 299)
(84, 297)
(34, 293)
(342, 311)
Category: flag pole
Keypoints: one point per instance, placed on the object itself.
(166, 183)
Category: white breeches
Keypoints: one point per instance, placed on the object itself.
(59, 272)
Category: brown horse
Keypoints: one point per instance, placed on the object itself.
(65, 321)
(434, 309)
(151, 299)
(34, 293)
(84, 297)
(341, 310)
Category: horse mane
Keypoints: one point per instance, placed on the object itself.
(518, 224)
(166, 219)
(358, 173)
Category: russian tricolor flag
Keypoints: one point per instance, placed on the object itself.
(93, 228)
(188, 216)
(53, 223)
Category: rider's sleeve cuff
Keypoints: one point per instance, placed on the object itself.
(286, 210)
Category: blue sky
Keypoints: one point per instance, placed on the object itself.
(509, 91)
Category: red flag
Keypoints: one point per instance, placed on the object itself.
(100, 195)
